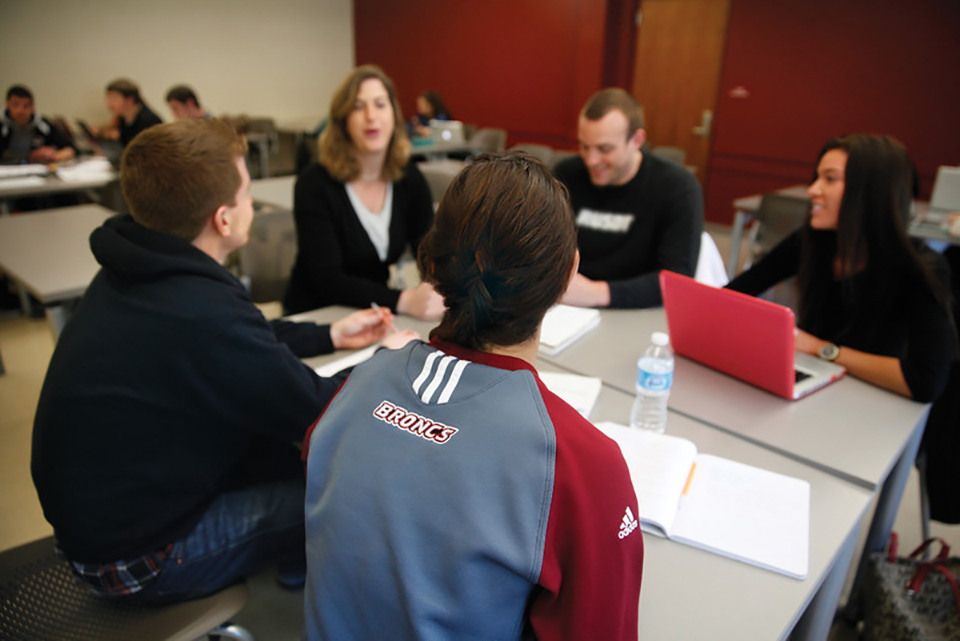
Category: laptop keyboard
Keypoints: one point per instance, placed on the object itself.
(800, 376)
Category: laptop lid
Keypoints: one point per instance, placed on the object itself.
(448, 131)
(740, 335)
(946, 190)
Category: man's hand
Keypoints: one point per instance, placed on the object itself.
(584, 292)
(396, 340)
(360, 329)
(421, 302)
(43, 155)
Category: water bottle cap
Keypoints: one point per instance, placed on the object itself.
(660, 339)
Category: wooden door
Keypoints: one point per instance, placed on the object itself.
(676, 77)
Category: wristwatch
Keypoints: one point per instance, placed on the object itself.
(829, 352)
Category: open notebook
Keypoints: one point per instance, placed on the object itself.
(721, 506)
(563, 325)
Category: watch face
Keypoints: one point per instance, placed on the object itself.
(829, 352)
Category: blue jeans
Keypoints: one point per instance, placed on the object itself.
(241, 533)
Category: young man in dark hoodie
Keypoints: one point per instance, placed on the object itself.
(163, 448)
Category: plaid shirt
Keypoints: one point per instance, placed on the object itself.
(123, 577)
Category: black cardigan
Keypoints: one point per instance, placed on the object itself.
(336, 262)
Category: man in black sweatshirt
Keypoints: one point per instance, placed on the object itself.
(636, 213)
(163, 448)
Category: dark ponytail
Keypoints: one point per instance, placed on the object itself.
(500, 250)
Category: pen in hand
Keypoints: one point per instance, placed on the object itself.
(390, 324)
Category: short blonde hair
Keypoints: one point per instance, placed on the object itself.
(337, 150)
(175, 175)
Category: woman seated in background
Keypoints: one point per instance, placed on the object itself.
(131, 115)
(450, 494)
(870, 298)
(361, 206)
(430, 106)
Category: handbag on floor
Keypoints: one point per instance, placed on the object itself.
(907, 598)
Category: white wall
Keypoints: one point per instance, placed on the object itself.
(279, 58)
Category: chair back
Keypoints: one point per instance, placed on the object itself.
(439, 174)
(778, 217)
(40, 598)
(489, 139)
(674, 154)
(267, 258)
(543, 152)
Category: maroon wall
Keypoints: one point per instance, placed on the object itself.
(526, 66)
(813, 69)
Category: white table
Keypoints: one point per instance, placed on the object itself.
(274, 191)
(692, 594)
(48, 254)
(49, 185)
(850, 429)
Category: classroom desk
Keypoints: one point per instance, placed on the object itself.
(922, 224)
(850, 429)
(44, 186)
(692, 594)
(274, 191)
(48, 254)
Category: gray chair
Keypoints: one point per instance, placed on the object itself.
(40, 598)
(543, 152)
(439, 174)
(489, 139)
(266, 261)
(559, 155)
(675, 154)
(778, 217)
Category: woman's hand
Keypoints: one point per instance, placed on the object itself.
(882, 371)
(421, 302)
(396, 340)
(807, 343)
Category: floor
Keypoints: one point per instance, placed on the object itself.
(271, 614)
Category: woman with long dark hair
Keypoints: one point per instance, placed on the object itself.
(870, 298)
(450, 495)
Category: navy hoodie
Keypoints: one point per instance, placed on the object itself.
(167, 388)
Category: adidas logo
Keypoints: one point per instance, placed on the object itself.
(628, 525)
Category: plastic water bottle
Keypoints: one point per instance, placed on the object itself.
(654, 379)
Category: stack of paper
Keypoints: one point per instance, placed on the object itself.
(563, 325)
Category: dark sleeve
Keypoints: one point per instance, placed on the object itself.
(271, 391)
(781, 263)
(303, 339)
(677, 248)
(931, 338)
(58, 138)
(320, 248)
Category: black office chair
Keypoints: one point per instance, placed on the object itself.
(40, 598)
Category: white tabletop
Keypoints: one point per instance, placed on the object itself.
(48, 252)
(850, 428)
(691, 594)
(50, 184)
(274, 191)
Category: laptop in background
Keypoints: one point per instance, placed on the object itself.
(446, 131)
(745, 337)
(946, 191)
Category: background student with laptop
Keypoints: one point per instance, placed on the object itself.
(870, 298)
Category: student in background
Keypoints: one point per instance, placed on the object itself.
(163, 448)
(131, 115)
(430, 106)
(870, 298)
(26, 136)
(636, 213)
(184, 104)
(450, 494)
(359, 209)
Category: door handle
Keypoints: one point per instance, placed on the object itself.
(706, 121)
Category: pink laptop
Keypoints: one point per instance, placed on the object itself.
(745, 337)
